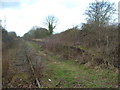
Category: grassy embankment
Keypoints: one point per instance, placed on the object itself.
(66, 73)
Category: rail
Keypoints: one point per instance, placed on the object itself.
(33, 71)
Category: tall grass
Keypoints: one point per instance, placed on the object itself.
(5, 62)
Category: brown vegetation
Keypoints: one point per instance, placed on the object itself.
(96, 46)
(8, 42)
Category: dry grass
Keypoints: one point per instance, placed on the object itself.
(100, 45)
(8, 56)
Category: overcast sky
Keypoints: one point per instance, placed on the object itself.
(22, 15)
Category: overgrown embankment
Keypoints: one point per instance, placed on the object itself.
(91, 47)
(9, 44)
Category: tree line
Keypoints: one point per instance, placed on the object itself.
(99, 14)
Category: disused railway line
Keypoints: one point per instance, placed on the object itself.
(33, 71)
(23, 69)
(29, 53)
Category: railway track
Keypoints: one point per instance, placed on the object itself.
(31, 55)
(33, 71)
(22, 71)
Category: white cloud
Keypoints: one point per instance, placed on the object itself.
(33, 12)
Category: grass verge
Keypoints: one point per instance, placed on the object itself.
(62, 73)
(67, 74)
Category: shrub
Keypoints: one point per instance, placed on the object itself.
(99, 44)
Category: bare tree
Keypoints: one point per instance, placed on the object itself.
(100, 12)
(51, 22)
